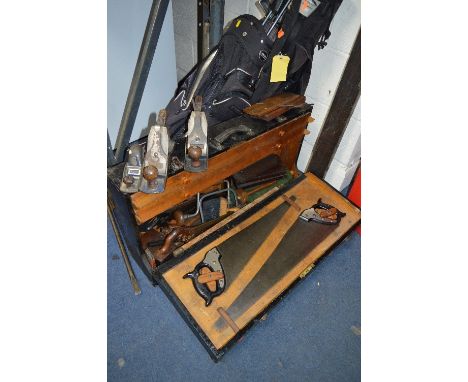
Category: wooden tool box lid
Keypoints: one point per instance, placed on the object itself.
(221, 320)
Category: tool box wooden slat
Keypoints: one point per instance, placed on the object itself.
(284, 140)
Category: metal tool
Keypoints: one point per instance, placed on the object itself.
(123, 251)
(200, 199)
(263, 7)
(170, 238)
(156, 158)
(201, 279)
(274, 9)
(322, 213)
(131, 177)
(218, 141)
(278, 17)
(185, 103)
(196, 145)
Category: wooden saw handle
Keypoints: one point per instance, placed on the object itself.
(212, 276)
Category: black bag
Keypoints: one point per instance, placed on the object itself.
(236, 73)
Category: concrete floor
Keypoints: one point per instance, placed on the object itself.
(313, 334)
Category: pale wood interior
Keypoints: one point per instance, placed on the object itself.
(307, 192)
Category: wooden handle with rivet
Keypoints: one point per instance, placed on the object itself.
(212, 276)
(326, 213)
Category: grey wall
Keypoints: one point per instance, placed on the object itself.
(126, 22)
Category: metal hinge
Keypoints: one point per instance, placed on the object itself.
(306, 271)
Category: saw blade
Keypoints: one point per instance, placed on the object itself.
(300, 239)
(238, 249)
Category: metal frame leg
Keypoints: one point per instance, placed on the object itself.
(140, 75)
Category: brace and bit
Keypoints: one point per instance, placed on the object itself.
(199, 211)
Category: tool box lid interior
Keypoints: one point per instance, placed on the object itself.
(262, 250)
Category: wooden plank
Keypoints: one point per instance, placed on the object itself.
(275, 106)
(340, 112)
(140, 199)
(283, 140)
(228, 320)
(307, 193)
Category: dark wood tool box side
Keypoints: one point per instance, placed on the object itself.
(128, 229)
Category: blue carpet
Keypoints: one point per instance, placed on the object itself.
(313, 334)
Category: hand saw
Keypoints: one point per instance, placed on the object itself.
(236, 251)
(312, 227)
(245, 253)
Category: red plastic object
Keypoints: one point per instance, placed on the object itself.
(355, 193)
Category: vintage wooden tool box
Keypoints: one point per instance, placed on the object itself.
(255, 254)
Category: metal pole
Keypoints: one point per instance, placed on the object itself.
(216, 21)
(110, 152)
(123, 251)
(203, 26)
(140, 75)
(278, 18)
